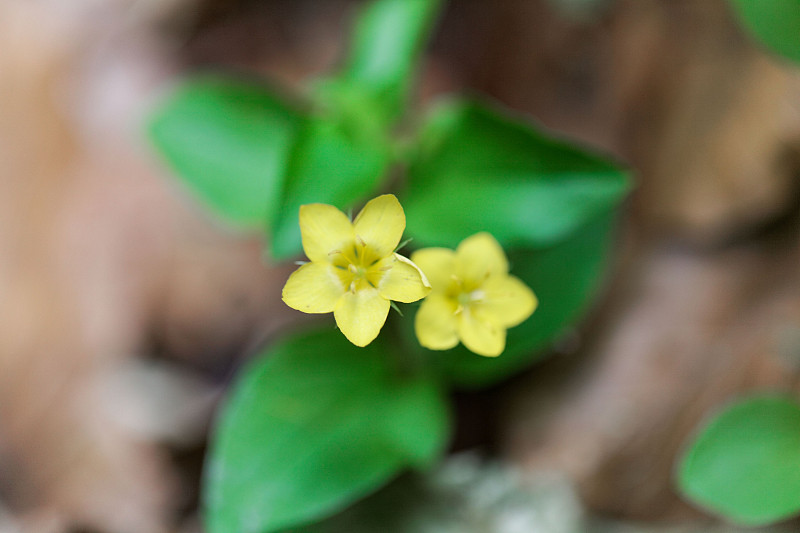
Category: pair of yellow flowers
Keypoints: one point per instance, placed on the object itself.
(355, 273)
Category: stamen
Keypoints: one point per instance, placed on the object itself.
(352, 268)
(477, 295)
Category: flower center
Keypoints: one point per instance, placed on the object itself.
(466, 298)
(359, 271)
(358, 266)
(464, 295)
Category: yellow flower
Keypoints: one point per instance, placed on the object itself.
(354, 271)
(474, 299)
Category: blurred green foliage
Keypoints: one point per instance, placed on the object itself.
(388, 38)
(313, 424)
(480, 169)
(745, 462)
(316, 423)
(230, 141)
(775, 23)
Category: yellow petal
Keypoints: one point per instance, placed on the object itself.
(361, 315)
(438, 264)
(507, 300)
(325, 229)
(484, 337)
(479, 257)
(313, 288)
(403, 282)
(381, 224)
(436, 325)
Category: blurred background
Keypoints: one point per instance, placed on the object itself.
(125, 307)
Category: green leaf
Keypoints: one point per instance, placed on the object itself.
(229, 141)
(313, 425)
(331, 164)
(564, 277)
(389, 36)
(775, 23)
(478, 169)
(745, 463)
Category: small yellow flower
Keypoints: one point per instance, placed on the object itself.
(354, 271)
(474, 299)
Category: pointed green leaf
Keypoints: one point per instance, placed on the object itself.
(478, 169)
(745, 463)
(229, 141)
(312, 426)
(389, 36)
